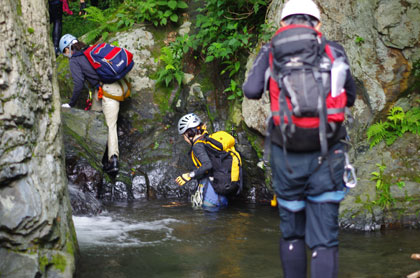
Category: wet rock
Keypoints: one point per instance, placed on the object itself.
(85, 131)
(35, 215)
(20, 205)
(15, 264)
(83, 202)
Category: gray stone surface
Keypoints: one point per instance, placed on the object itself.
(381, 60)
(35, 215)
(88, 129)
(17, 265)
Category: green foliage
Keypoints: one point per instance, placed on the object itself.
(156, 12)
(171, 58)
(359, 40)
(114, 15)
(226, 28)
(75, 24)
(104, 20)
(267, 32)
(225, 33)
(236, 91)
(59, 262)
(398, 122)
(383, 188)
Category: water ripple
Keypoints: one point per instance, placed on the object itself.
(107, 231)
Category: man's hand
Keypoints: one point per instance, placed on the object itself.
(183, 179)
(65, 105)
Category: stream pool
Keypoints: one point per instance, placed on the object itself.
(165, 239)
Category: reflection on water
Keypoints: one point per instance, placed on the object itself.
(152, 239)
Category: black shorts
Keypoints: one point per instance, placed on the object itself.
(317, 222)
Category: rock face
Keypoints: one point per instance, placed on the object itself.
(152, 154)
(381, 49)
(382, 41)
(37, 237)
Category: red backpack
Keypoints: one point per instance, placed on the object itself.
(111, 62)
(300, 89)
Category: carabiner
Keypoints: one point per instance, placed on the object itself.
(349, 176)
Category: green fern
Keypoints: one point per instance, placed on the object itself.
(376, 133)
(413, 120)
(96, 15)
(398, 122)
(106, 21)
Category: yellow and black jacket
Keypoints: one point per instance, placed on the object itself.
(215, 155)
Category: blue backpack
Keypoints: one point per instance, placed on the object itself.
(111, 62)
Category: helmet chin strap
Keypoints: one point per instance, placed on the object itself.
(70, 52)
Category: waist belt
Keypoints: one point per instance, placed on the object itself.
(124, 94)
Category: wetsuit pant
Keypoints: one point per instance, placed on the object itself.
(110, 108)
(303, 214)
(211, 200)
(55, 8)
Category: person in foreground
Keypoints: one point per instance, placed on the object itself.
(193, 130)
(310, 86)
(82, 70)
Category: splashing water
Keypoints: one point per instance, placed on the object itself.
(104, 230)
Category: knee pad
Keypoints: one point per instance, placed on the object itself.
(293, 258)
(324, 262)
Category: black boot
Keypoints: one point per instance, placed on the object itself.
(112, 166)
(324, 263)
(293, 258)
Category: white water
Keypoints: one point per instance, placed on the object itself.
(107, 231)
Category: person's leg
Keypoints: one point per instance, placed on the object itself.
(110, 109)
(289, 188)
(211, 200)
(57, 31)
(324, 192)
(56, 16)
(322, 238)
(292, 243)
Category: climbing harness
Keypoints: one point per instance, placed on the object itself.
(197, 197)
(349, 177)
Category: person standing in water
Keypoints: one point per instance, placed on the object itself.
(193, 130)
(308, 180)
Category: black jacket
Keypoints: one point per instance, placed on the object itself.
(81, 70)
(253, 88)
(200, 152)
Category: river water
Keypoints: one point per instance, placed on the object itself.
(165, 239)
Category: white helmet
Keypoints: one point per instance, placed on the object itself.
(66, 41)
(300, 7)
(188, 121)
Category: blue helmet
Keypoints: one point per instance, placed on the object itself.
(66, 41)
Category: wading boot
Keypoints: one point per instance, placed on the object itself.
(112, 166)
(324, 262)
(293, 258)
